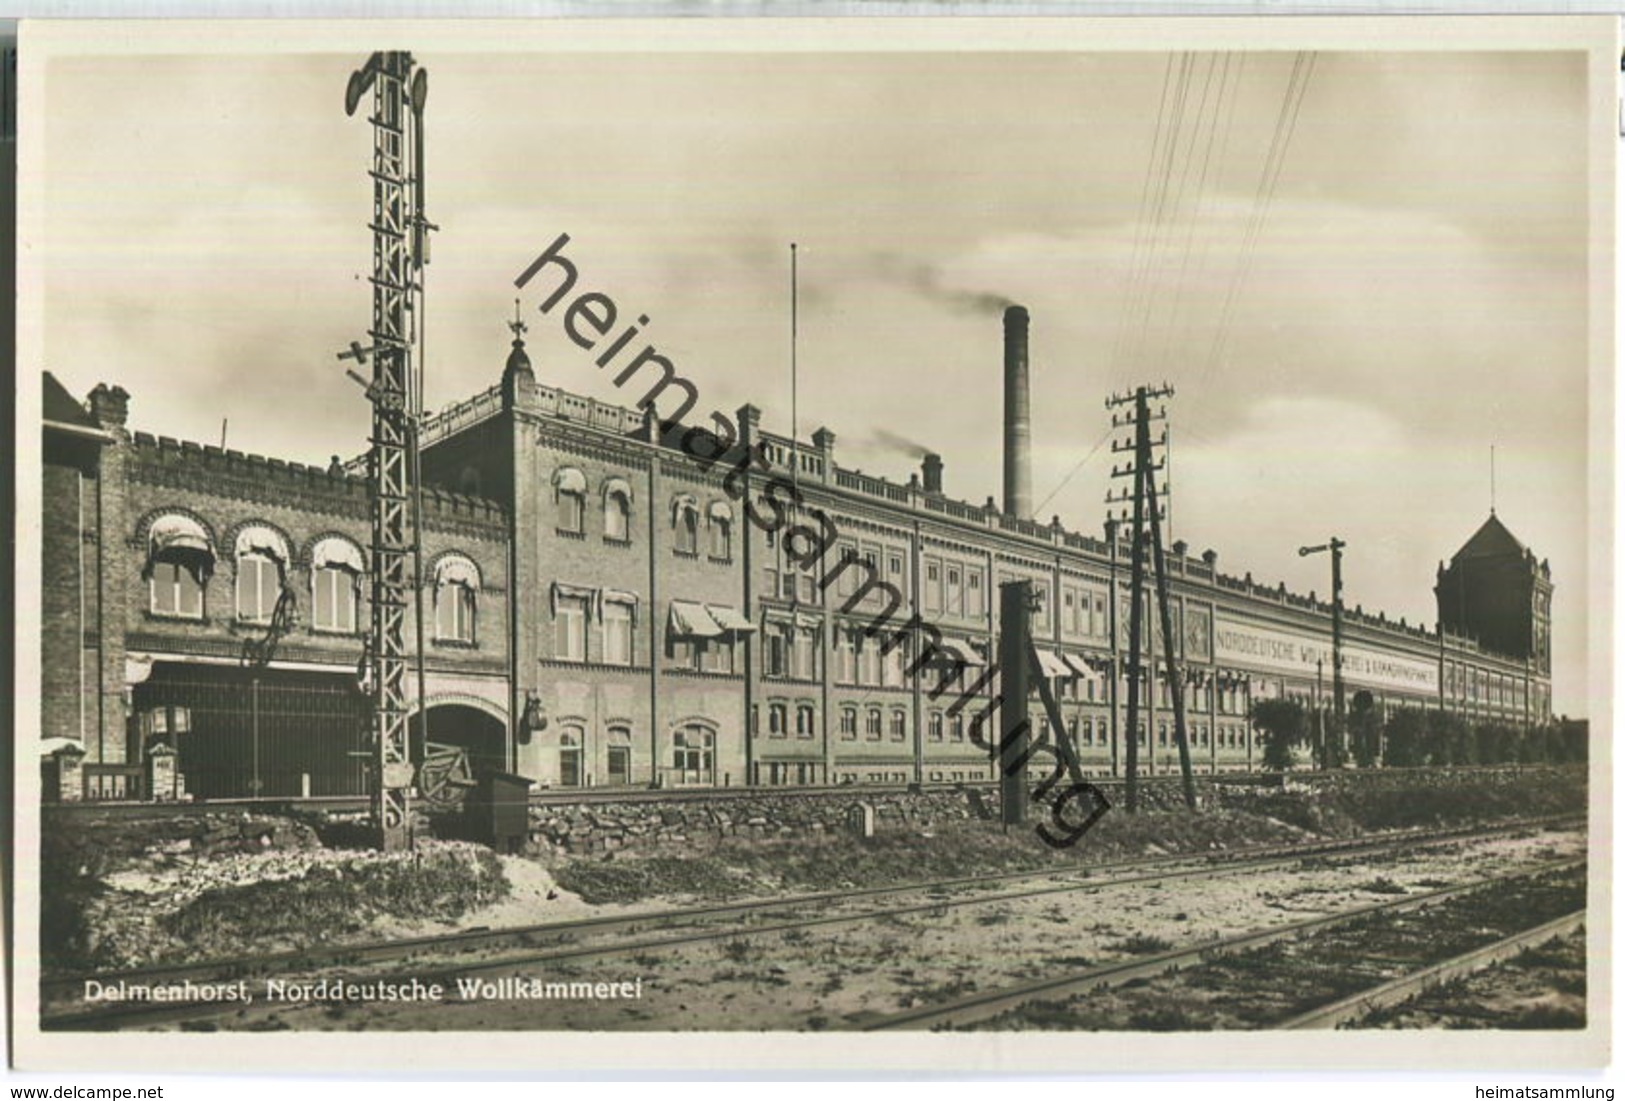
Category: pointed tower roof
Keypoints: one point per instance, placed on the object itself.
(1491, 540)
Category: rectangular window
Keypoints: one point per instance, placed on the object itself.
(569, 627)
(933, 585)
(259, 582)
(803, 656)
(955, 604)
(333, 600)
(716, 655)
(454, 613)
(974, 604)
(617, 633)
(775, 659)
(176, 591)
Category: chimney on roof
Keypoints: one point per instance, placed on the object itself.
(1018, 474)
(932, 466)
(110, 405)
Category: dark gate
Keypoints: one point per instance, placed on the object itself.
(267, 732)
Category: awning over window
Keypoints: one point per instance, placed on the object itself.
(1051, 664)
(259, 539)
(572, 592)
(457, 571)
(692, 620)
(967, 655)
(785, 617)
(720, 510)
(180, 533)
(729, 620)
(620, 486)
(1078, 664)
(682, 503)
(621, 598)
(333, 551)
(567, 479)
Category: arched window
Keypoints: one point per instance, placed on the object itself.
(804, 720)
(570, 495)
(456, 596)
(956, 727)
(849, 724)
(693, 755)
(899, 725)
(777, 718)
(180, 559)
(872, 726)
(336, 567)
(617, 511)
(685, 520)
(262, 561)
(721, 523)
(933, 726)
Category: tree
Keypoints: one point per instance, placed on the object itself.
(1365, 729)
(1282, 725)
(1405, 735)
(1448, 740)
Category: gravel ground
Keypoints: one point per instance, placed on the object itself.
(815, 979)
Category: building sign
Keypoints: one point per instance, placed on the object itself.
(1297, 653)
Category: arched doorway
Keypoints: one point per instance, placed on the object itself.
(479, 734)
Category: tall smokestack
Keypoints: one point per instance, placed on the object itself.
(1018, 424)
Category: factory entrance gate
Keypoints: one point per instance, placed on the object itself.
(254, 733)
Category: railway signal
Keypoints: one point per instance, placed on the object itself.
(399, 246)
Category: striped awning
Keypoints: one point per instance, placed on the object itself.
(176, 532)
(690, 619)
(729, 620)
(334, 551)
(567, 479)
(1050, 663)
(457, 571)
(259, 539)
(1078, 664)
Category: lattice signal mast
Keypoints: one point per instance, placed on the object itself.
(399, 238)
(1147, 515)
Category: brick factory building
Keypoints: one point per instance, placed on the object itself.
(600, 612)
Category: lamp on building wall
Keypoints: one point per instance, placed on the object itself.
(534, 720)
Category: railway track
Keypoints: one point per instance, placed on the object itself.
(1051, 1001)
(552, 942)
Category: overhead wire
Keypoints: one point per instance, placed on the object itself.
(1264, 196)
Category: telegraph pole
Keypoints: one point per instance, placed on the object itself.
(1147, 514)
(1335, 545)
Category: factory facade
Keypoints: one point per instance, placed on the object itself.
(603, 609)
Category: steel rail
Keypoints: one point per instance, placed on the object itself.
(977, 1007)
(1245, 859)
(1398, 990)
(473, 940)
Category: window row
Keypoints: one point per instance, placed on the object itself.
(778, 720)
(876, 723)
(180, 564)
(953, 588)
(615, 495)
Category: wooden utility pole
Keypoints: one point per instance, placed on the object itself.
(1147, 525)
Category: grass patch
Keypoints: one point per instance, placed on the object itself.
(1141, 945)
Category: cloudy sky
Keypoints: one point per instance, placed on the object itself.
(1359, 270)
